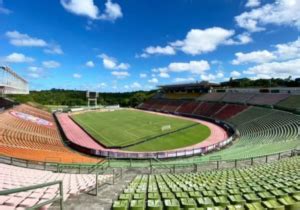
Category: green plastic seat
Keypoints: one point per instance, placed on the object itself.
(208, 193)
(235, 207)
(125, 197)
(278, 193)
(296, 197)
(221, 192)
(120, 205)
(154, 205)
(234, 192)
(251, 198)
(167, 195)
(187, 203)
(172, 204)
(273, 205)
(205, 202)
(254, 206)
(181, 195)
(221, 201)
(139, 196)
(153, 196)
(195, 194)
(289, 203)
(137, 205)
(237, 199)
(266, 196)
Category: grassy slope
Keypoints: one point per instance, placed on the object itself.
(124, 127)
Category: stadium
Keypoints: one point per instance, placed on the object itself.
(189, 145)
(200, 130)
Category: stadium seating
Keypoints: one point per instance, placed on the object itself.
(263, 131)
(212, 97)
(229, 111)
(269, 186)
(292, 103)
(172, 105)
(207, 109)
(181, 95)
(188, 107)
(267, 98)
(237, 97)
(28, 140)
(15, 177)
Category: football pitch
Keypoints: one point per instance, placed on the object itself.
(141, 131)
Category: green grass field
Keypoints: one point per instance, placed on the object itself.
(125, 127)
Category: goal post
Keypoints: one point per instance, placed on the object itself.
(166, 127)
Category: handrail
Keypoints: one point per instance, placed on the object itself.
(33, 187)
(88, 167)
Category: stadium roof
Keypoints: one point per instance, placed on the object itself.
(201, 84)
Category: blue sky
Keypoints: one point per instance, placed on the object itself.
(124, 45)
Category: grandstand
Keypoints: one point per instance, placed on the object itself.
(270, 186)
(42, 152)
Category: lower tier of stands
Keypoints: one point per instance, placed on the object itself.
(12, 177)
(26, 138)
(269, 186)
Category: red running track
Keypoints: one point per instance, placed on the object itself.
(78, 136)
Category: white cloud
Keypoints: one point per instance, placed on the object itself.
(199, 41)
(240, 39)
(164, 75)
(4, 10)
(253, 57)
(51, 64)
(276, 69)
(120, 74)
(153, 80)
(112, 11)
(90, 64)
(112, 63)
(167, 50)
(76, 76)
(54, 49)
(89, 9)
(135, 85)
(288, 50)
(143, 75)
(252, 3)
(18, 39)
(281, 12)
(35, 72)
(183, 80)
(235, 74)
(194, 67)
(17, 58)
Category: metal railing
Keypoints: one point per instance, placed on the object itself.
(59, 198)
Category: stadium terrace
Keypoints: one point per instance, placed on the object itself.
(108, 105)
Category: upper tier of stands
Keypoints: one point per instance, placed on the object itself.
(28, 140)
(181, 95)
(15, 177)
(269, 186)
(246, 98)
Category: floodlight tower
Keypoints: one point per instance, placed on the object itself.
(92, 97)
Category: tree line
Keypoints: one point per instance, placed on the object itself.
(78, 98)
